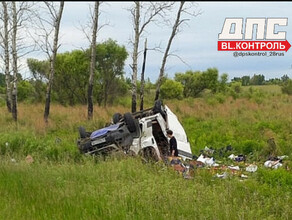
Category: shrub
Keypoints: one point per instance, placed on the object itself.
(171, 89)
(235, 89)
(25, 90)
(287, 87)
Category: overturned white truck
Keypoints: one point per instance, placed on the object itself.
(141, 133)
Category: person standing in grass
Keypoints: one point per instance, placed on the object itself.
(172, 144)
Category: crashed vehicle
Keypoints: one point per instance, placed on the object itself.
(140, 133)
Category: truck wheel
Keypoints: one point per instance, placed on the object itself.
(130, 122)
(158, 108)
(82, 132)
(116, 118)
(85, 145)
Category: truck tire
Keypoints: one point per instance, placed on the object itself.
(130, 122)
(82, 132)
(85, 145)
(116, 118)
(158, 108)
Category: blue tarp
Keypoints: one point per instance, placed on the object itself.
(103, 131)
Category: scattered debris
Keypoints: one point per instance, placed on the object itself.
(243, 176)
(233, 167)
(238, 158)
(207, 160)
(196, 164)
(222, 176)
(251, 168)
(282, 157)
(29, 159)
(238, 169)
(273, 164)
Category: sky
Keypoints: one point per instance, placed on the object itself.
(196, 44)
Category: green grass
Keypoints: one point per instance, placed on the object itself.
(63, 184)
(129, 189)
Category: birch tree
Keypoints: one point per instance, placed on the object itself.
(6, 57)
(14, 16)
(183, 9)
(14, 61)
(92, 60)
(56, 16)
(142, 15)
(47, 32)
(20, 13)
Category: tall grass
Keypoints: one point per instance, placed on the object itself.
(63, 184)
(129, 189)
(240, 123)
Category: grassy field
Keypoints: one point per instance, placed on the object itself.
(63, 184)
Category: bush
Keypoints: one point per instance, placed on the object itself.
(235, 89)
(287, 87)
(171, 89)
(25, 90)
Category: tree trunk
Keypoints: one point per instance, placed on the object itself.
(92, 62)
(6, 56)
(142, 78)
(173, 33)
(135, 56)
(14, 63)
(52, 61)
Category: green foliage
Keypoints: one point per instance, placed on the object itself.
(245, 80)
(171, 89)
(195, 82)
(210, 79)
(284, 78)
(222, 86)
(275, 178)
(2, 80)
(110, 60)
(2, 90)
(257, 79)
(220, 97)
(71, 77)
(72, 74)
(250, 146)
(191, 82)
(235, 89)
(287, 87)
(39, 68)
(2, 100)
(25, 90)
(39, 90)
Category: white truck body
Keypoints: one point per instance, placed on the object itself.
(147, 138)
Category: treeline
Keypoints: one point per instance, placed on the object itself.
(259, 79)
(110, 83)
(71, 77)
(194, 83)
